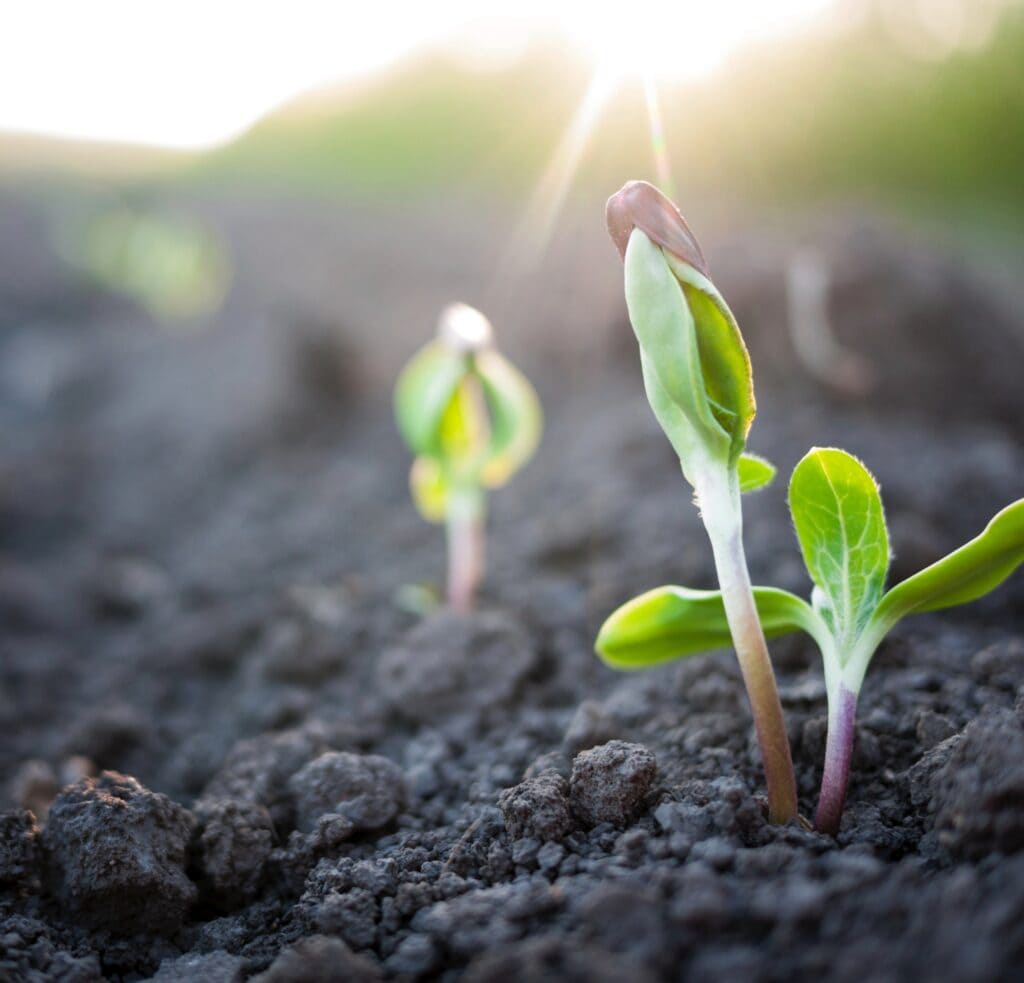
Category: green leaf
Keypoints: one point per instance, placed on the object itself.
(966, 574)
(516, 419)
(673, 622)
(684, 439)
(755, 472)
(840, 523)
(423, 393)
(665, 330)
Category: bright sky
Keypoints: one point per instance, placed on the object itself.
(191, 74)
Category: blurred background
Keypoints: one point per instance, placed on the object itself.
(221, 224)
(155, 141)
(225, 226)
(224, 223)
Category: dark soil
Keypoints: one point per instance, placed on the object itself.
(245, 758)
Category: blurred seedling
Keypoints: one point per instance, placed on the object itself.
(472, 420)
(808, 282)
(698, 381)
(840, 523)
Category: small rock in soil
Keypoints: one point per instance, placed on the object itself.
(451, 662)
(352, 916)
(234, 844)
(116, 855)
(933, 728)
(416, 954)
(979, 794)
(609, 782)
(28, 954)
(213, 967)
(538, 807)
(1000, 665)
(366, 789)
(257, 770)
(318, 959)
(554, 959)
(472, 854)
(19, 847)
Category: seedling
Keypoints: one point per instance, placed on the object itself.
(472, 420)
(698, 380)
(840, 523)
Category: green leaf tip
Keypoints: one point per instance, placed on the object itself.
(755, 472)
(469, 416)
(966, 574)
(840, 523)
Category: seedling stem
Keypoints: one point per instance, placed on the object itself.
(719, 499)
(842, 715)
(464, 523)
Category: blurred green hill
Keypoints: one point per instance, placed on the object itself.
(848, 115)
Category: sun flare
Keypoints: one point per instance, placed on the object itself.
(178, 75)
(683, 40)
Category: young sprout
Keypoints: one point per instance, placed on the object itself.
(698, 380)
(472, 420)
(840, 523)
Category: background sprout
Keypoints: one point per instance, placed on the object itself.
(840, 523)
(472, 420)
(698, 380)
(172, 264)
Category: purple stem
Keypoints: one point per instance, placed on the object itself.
(838, 750)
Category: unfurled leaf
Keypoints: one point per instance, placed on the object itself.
(840, 523)
(673, 622)
(755, 472)
(966, 574)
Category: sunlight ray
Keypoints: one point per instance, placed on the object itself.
(533, 233)
(659, 146)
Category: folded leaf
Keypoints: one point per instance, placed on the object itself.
(966, 574)
(665, 330)
(724, 360)
(840, 523)
(673, 622)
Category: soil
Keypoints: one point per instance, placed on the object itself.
(230, 748)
